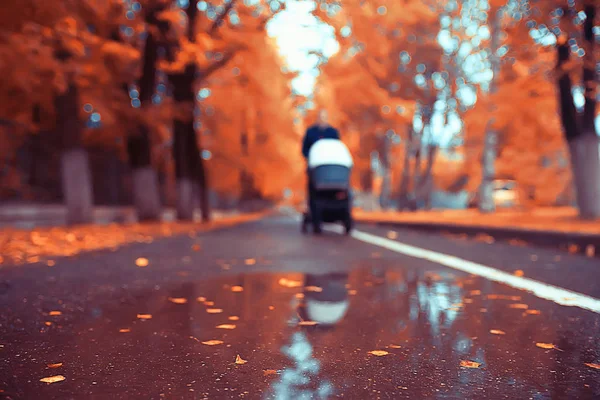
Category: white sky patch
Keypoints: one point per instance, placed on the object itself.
(298, 33)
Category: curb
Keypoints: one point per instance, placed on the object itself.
(576, 243)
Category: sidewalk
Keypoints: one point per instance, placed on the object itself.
(555, 227)
(43, 243)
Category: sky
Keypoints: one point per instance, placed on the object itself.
(298, 33)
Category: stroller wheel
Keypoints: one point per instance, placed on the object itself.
(348, 224)
(304, 226)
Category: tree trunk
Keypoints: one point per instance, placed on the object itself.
(583, 142)
(406, 173)
(184, 147)
(384, 195)
(75, 169)
(426, 186)
(488, 159)
(146, 190)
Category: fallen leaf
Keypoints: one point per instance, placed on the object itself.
(50, 263)
(214, 310)
(497, 332)
(209, 303)
(213, 342)
(234, 318)
(590, 250)
(250, 261)
(53, 379)
(394, 346)
(226, 326)
(47, 323)
(237, 289)
(200, 299)
(289, 283)
(469, 364)
(392, 235)
(483, 309)
(503, 297)
(239, 360)
(352, 292)
(519, 306)
(124, 330)
(271, 308)
(144, 316)
(533, 312)
(592, 365)
(519, 272)
(196, 247)
(55, 313)
(313, 289)
(178, 300)
(468, 301)
(475, 292)
(379, 353)
(299, 295)
(142, 262)
(268, 372)
(545, 345)
(55, 365)
(307, 323)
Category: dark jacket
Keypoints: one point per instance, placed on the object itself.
(315, 133)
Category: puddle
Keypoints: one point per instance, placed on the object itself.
(369, 333)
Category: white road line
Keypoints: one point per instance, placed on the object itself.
(542, 290)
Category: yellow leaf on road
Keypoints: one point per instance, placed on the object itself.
(352, 292)
(592, 365)
(289, 283)
(234, 318)
(55, 365)
(144, 316)
(125, 330)
(547, 346)
(239, 360)
(394, 346)
(214, 310)
(200, 299)
(250, 261)
(533, 312)
(213, 342)
(475, 292)
(519, 306)
(55, 313)
(53, 379)
(313, 289)
(392, 235)
(196, 247)
(142, 262)
(379, 353)
(237, 289)
(519, 272)
(307, 323)
(497, 332)
(209, 303)
(469, 364)
(178, 300)
(268, 372)
(226, 326)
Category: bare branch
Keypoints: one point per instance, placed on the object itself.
(221, 17)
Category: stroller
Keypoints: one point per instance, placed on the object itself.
(329, 166)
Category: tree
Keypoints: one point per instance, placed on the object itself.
(579, 129)
(54, 55)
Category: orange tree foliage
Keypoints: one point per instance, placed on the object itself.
(249, 121)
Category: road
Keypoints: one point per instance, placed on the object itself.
(390, 326)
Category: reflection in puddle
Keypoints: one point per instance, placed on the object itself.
(425, 324)
(295, 381)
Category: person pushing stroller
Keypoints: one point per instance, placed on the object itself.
(328, 174)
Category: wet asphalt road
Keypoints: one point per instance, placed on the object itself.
(261, 280)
